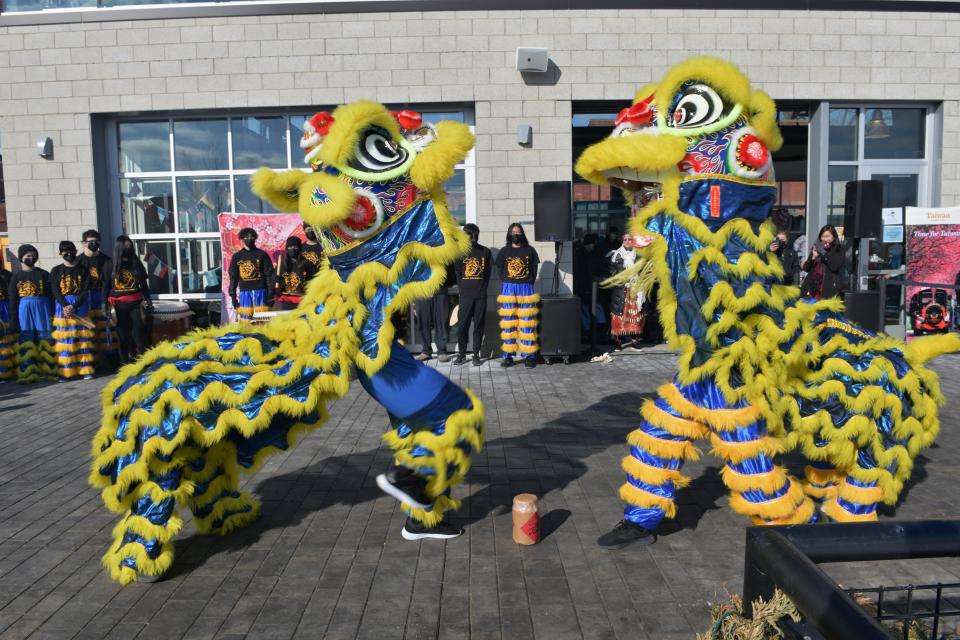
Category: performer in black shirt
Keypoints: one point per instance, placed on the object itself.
(127, 291)
(30, 312)
(473, 277)
(293, 273)
(312, 251)
(517, 264)
(94, 261)
(251, 271)
(8, 354)
(73, 339)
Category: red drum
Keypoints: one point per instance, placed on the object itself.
(171, 319)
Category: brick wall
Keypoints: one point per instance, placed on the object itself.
(53, 77)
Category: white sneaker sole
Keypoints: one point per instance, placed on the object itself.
(420, 536)
(392, 490)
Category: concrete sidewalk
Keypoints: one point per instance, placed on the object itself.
(327, 561)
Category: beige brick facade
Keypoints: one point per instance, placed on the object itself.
(52, 77)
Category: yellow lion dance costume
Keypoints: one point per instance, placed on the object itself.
(179, 424)
(761, 371)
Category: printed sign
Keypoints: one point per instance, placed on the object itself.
(933, 257)
(893, 233)
(892, 215)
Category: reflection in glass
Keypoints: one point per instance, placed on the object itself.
(200, 268)
(200, 201)
(259, 142)
(144, 146)
(843, 134)
(246, 200)
(200, 145)
(894, 133)
(456, 191)
(147, 205)
(9, 6)
(837, 178)
(160, 259)
(899, 190)
(435, 117)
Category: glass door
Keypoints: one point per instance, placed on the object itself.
(902, 187)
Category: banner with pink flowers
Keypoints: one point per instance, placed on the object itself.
(933, 259)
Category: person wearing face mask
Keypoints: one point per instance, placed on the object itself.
(312, 251)
(824, 266)
(30, 311)
(293, 273)
(252, 278)
(73, 340)
(473, 277)
(8, 354)
(94, 262)
(517, 264)
(788, 258)
(126, 290)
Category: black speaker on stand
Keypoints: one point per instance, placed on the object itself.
(553, 211)
(863, 209)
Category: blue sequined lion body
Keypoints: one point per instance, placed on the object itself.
(182, 422)
(761, 371)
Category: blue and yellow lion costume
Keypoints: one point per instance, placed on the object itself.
(761, 372)
(183, 421)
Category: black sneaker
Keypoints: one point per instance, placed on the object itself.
(423, 357)
(476, 360)
(529, 363)
(461, 359)
(414, 530)
(625, 533)
(506, 362)
(404, 485)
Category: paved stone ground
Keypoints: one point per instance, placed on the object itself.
(327, 559)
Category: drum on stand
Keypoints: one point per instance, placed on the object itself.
(171, 319)
(263, 317)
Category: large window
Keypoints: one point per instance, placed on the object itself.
(173, 176)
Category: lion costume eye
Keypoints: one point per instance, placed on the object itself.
(698, 106)
(377, 152)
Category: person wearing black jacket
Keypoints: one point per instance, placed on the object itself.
(312, 251)
(788, 258)
(8, 354)
(127, 291)
(824, 266)
(251, 271)
(74, 341)
(473, 277)
(517, 264)
(30, 311)
(293, 273)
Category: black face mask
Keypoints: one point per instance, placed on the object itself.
(128, 252)
(293, 253)
(311, 234)
(29, 260)
(93, 245)
(516, 238)
(69, 256)
(249, 243)
(474, 239)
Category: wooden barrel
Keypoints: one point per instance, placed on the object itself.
(171, 319)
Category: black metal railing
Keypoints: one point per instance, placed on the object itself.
(787, 558)
(922, 603)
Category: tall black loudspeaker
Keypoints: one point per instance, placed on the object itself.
(552, 211)
(863, 308)
(862, 209)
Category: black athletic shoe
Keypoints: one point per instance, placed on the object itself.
(461, 359)
(529, 363)
(625, 533)
(414, 530)
(476, 360)
(506, 362)
(404, 485)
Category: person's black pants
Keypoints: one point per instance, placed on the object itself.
(131, 330)
(433, 314)
(472, 310)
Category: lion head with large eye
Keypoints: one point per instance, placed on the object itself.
(370, 166)
(701, 126)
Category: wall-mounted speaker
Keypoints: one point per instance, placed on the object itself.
(552, 211)
(863, 209)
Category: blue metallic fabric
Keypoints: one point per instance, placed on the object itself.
(249, 301)
(34, 315)
(735, 200)
(4, 311)
(523, 339)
